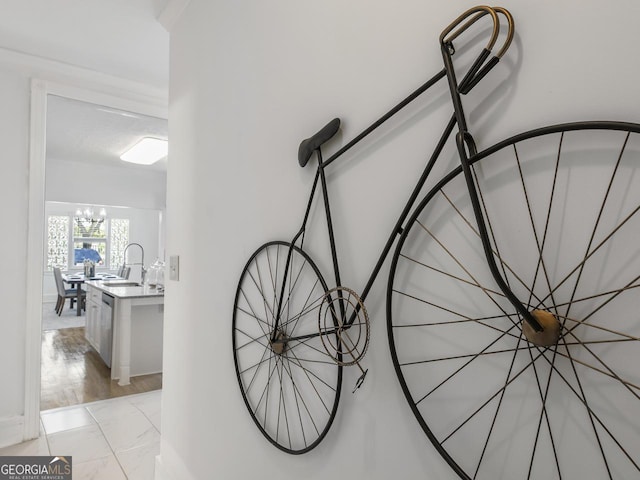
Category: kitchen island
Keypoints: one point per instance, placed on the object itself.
(124, 326)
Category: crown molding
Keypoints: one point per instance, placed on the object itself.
(172, 12)
(74, 76)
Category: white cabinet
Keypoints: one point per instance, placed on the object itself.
(94, 306)
(130, 339)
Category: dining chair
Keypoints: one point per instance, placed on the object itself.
(126, 271)
(121, 270)
(63, 293)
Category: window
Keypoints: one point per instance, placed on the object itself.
(73, 239)
(57, 241)
(89, 240)
(118, 240)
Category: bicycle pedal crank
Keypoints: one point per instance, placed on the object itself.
(343, 324)
(360, 379)
(551, 329)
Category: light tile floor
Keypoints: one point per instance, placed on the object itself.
(115, 439)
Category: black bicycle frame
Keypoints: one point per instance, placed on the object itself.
(466, 151)
(397, 229)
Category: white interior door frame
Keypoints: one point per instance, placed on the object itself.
(82, 85)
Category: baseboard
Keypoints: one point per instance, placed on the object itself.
(177, 471)
(160, 472)
(11, 430)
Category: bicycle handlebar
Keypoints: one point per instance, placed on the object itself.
(481, 66)
(510, 32)
(477, 12)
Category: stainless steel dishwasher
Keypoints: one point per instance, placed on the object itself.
(106, 328)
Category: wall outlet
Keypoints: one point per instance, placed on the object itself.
(174, 267)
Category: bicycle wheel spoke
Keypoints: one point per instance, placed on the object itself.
(628, 385)
(483, 289)
(268, 311)
(262, 322)
(624, 336)
(451, 322)
(299, 399)
(595, 417)
(504, 265)
(252, 340)
(610, 299)
(307, 344)
(543, 415)
(602, 342)
(597, 222)
(465, 319)
(591, 419)
(282, 406)
(468, 355)
(597, 295)
(257, 367)
(310, 374)
(495, 415)
(304, 312)
(265, 391)
(592, 252)
(494, 395)
(306, 309)
(458, 370)
(448, 310)
(449, 275)
(292, 286)
(273, 274)
(540, 244)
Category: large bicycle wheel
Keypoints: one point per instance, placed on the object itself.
(289, 384)
(561, 206)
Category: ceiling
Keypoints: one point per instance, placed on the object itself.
(122, 38)
(85, 132)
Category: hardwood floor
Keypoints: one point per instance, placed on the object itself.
(73, 373)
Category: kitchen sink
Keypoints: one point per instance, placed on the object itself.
(120, 283)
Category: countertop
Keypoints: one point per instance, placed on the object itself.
(125, 291)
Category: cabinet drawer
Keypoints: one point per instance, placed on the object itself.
(94, 294)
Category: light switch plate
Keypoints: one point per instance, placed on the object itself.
(174, 267)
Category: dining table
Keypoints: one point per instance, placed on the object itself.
(77, 279)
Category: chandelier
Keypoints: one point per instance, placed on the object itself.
(88, 221)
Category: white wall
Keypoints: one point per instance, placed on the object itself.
(14, 128)
(78, 182)
(250, 79)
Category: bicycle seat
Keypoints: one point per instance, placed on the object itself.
(311, 144)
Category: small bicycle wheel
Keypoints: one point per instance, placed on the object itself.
(561, 208)
(289, 384)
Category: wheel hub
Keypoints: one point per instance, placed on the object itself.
(551, 329)
(279, 345)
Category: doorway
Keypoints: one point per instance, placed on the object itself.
(126, 103)
(96, 203)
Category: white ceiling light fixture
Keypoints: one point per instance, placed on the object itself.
(147, 151)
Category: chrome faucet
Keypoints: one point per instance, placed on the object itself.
(143, 270)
